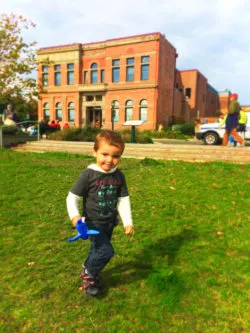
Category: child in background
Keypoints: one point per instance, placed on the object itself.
(104, 191)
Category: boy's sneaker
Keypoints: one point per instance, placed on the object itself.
(89, 284)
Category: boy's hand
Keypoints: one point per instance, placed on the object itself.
(75, 219)
(129, 230)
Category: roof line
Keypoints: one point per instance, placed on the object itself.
(99, 42)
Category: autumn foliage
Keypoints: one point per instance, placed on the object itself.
(17, 57)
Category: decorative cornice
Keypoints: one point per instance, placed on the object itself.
(145, 86)
(96, 87)
(101, 45)
(61, 90)
(59, 49)
(92, 87)
(122, 41)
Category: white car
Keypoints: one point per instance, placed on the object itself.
(212, 135)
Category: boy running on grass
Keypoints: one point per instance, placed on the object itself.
(104, 191)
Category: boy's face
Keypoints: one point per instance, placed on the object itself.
(107, 156)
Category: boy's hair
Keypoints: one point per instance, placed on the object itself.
(111, 138)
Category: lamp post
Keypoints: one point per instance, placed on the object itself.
(133, 140)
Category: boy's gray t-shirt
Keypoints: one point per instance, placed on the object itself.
(100, 192)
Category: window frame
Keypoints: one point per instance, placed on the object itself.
(59, 107)
(46, 107)
(116, 70)
(102, 75)
(94, 73)
(115, 109)
(144, 107)
(70, 108)
(129, 106)
(45, 76)
(188, 92)
(130, 65)
(145, 62)
(70, 72)
(57, 75)
(85, 77)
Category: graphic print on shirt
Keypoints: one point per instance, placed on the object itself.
(107, 198)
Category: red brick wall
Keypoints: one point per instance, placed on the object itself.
(166, 81)
(189, 80)
(65, 99)
(136, 95)
(212, 104)
(201, 96)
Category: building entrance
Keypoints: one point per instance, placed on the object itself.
(94, 116)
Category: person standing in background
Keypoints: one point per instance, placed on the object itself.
(232, 120)
(242, 123)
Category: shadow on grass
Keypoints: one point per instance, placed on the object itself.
(154, 265)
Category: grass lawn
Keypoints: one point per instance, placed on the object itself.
(185, 269)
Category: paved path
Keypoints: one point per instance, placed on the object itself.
(179, 151)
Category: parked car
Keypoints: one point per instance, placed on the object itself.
(212, 135)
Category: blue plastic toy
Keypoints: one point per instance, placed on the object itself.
(83, 231)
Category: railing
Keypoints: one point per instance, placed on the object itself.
(20, 125)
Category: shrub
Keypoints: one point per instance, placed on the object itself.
(139, 137)
(88, 134)
(187, 129)
(10, 129)
(75, 134)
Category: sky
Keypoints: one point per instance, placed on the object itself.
(210, 36)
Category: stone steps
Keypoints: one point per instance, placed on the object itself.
(184, 152)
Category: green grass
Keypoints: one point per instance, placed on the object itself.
(175, 275)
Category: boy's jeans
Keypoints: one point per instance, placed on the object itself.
(101, 250)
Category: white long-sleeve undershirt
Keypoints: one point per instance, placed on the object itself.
(123, 207)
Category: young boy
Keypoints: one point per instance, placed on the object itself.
(104, 191)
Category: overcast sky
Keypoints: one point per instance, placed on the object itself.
(212, 36)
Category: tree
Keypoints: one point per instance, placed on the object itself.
(17, 58)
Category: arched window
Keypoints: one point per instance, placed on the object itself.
(71, 111)
(46, 112)
(144, 110)
(59, 111)
(128, 110)
(115, 111)
(94, 73)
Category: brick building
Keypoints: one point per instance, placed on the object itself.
(131, 78)
(194, 97)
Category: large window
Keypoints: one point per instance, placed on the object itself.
(71, 111)
(57, 71)
(70, 74)
(144, 110)
(130, 69)
(128, 110)
(58, 111)
(94, 73)
(144, 68)
(115, 111)
(116, 70)
(45, 76)
(46, 112)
